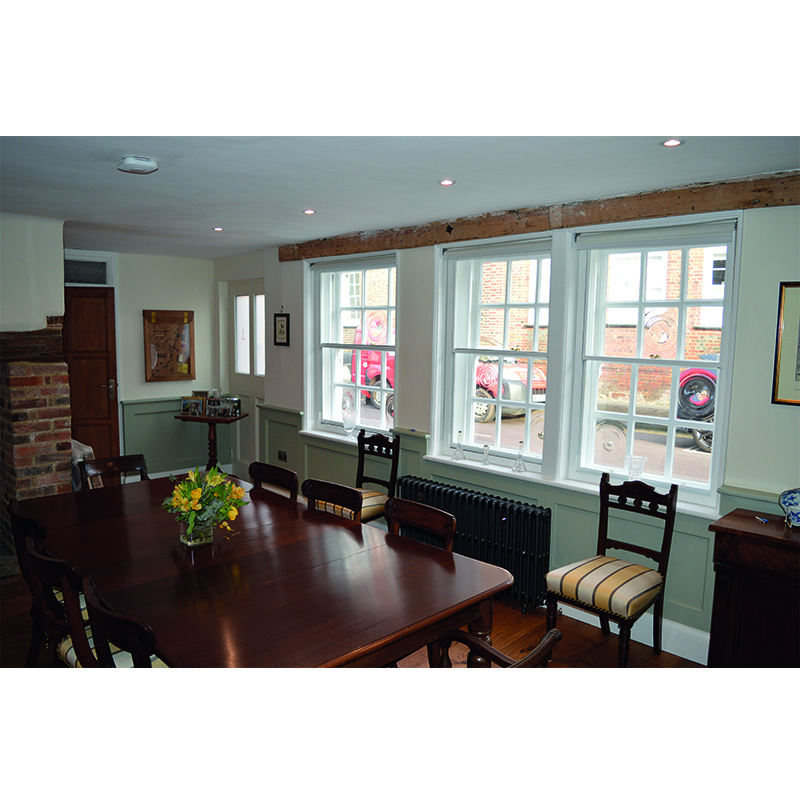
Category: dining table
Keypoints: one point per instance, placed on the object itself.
(287, 586)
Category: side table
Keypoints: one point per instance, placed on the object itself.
(212, 423)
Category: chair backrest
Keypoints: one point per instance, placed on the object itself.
(22, 527)
(59, 619)
(418, 515)
(112, 469)
(269, 475)
(638, 498)
(345, 501)
(110, 627)
(379, 446)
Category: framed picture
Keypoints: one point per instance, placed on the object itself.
(786, 381)
(169, 346)
(213, 407)
(282, 330)
(193, 406)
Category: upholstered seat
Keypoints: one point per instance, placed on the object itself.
(122, 659)
(372, 504)
(606, 584)
(335, 498)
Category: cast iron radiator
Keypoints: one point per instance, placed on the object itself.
(506, 533)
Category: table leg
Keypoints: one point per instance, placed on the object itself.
(481, 627)
(212, 445)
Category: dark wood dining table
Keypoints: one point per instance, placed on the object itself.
(289, 586)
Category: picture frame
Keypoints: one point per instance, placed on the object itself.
(169, 346)
(281, 330)
(193, 406)
(213, 407)
(786, 373)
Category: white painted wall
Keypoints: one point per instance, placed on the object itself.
(163, 283)
(31, 271)
(763, 438)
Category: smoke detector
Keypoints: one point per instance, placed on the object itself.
(138, 165)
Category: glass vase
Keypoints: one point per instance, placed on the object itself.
(202, 533)
(349, 411)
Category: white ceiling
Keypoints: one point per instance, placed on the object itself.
(256, 188)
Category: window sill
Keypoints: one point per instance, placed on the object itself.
(570, 485)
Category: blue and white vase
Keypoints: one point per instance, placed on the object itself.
(790, 503)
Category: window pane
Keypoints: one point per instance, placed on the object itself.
(619, 337)
(706, 273)
(377, 286)
(663, 281)
(650, 441)
(493, 282)
(691, 463)
(610, 444)
(523, 281)
(622, 277)
(242, 333)
(492, 321)
(660, 339)
(613, 387)
(536, 432)
(520, 328)
(703, 334)
(260, 336)
(653, 389)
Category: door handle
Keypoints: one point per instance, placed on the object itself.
(111, 386)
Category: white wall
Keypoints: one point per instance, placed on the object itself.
(163, 283)
(31, 271)
(763, 438)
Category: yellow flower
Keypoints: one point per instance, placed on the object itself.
(237, 492)
(233, 513)
(196, 494)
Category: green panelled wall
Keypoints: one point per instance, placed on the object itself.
(169, 445)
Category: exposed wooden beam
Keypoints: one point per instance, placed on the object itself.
(758, 191)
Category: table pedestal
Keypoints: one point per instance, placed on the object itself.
(212, 423)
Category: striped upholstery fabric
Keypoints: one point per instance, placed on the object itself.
(607, 584)
(333, 508)
(372, 504)
(84, 611)
(122, 659)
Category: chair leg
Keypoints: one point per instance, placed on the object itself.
(434, 655)
(604, 626)
(552, 612)
(658, 614)
(624, 646)
(37, 634)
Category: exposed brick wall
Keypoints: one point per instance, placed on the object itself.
(35, 423)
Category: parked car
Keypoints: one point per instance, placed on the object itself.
(515, 376)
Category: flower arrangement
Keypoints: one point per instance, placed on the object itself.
(205, 500)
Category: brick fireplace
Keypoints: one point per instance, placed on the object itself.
(35, 419)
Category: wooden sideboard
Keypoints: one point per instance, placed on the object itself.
(755, 620)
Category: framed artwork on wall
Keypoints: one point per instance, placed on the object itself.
(282, 330)
(786, 380)
(169, 346)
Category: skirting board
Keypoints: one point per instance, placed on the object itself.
(680, 640)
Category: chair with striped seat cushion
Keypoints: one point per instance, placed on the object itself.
(117, 640)
(335, 498)
(614, 589)
(376, 446)
(94, 470)
(272, 477)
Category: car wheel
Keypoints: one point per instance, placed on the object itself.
(372, 396)
(484, 412)
(696, 398)
(702, 439)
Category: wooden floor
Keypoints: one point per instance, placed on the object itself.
(514, 633)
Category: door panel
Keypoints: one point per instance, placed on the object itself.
(90, 350)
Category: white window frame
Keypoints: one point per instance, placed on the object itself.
(255, 299)
(454, 412)
(560, 463)
(319, 415)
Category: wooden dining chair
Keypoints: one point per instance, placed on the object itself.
(402, 514)
(439, 525)
(21, 528)
(371, 447)
(57, 589)
(94, 470)
(269, 476)
(538, 657)
(610, 587)
(345, 501)
(118, 641)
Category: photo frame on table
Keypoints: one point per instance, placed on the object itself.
(786, 380)
(193, 406)
(281, 330)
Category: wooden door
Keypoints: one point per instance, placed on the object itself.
(90, 350)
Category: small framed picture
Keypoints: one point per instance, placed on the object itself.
(193, 406)
(282, 330)
(212, 407)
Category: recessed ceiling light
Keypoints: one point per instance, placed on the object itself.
(671, 142)
(446, 182)
(219, 229)
(309, 211)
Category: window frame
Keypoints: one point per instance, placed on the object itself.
(316, 418)
(256, 298)
(564, 424)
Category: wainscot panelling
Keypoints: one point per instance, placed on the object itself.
(279, 429)
(169, 445)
